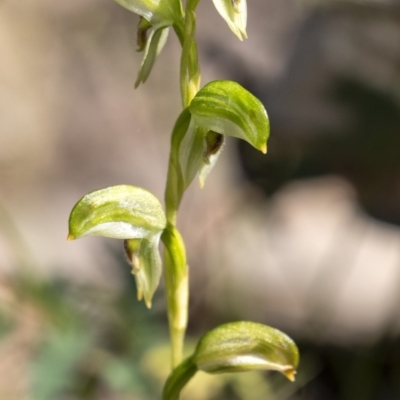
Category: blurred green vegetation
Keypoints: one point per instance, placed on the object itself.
(98, 343)
(90, 342)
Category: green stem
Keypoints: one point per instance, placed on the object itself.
(189, 69)
(176, 271)
(175, 267)
(176, 289)
(178, 379)
(192, 4)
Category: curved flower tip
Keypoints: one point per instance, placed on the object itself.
(290, 374)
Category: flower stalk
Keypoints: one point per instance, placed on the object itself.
(210, 114)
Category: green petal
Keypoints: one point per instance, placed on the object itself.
(227, 108)
(154, 45)
(144, 256)
(121, 212)
(234, 12)
(175, 182)
(164, 12)
(245, 346)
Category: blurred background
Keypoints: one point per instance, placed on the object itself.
(305, 239)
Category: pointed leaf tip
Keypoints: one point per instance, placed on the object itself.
(70, 237)
(290, 374)
(263, 148)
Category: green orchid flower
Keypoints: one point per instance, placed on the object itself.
(129, 213)
(156, 16)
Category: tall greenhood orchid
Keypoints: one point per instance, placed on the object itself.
(209, 115)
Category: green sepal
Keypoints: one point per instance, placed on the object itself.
(175, 181)
(144, 256)
(121, 212)
(157, 12)
(234, 12)
(236, 347)
(154, 44)
(229, 109)
(191, 152)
